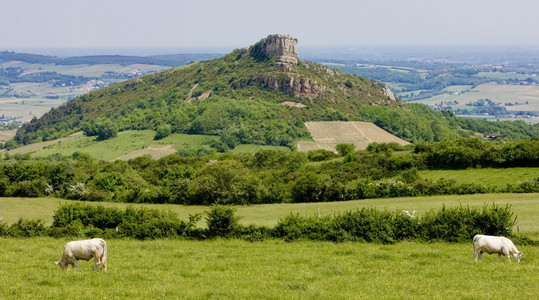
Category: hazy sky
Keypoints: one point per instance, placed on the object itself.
(240, 23)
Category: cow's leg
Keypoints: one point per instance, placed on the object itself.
(475, 255)
(96, 262)
(499, 257)
(480, 256)
(505, 253)
(76, 264)
(103, 263)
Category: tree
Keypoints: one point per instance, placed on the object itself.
(345, 149)
(163, 131)
(106, 130)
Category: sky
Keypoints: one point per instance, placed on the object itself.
(240, 23)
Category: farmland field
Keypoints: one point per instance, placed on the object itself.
(494, 92)
(327, 135)
(234, 269)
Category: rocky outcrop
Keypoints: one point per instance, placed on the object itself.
(386, 90)
(280, 45)
(297, 87)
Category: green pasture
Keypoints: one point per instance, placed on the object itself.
(484, 176)
(525, 206)
(125, 143)
(252, 148)
(457, 88)
(129, 141)
(234, 269)
(500, 75)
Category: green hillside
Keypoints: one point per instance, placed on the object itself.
(252, 97)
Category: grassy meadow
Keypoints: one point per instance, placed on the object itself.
(485, 176)
(128, 144)
(234, 269)
(272, 269)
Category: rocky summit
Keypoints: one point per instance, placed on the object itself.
(280, 45)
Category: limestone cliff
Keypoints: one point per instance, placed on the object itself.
(283, 46)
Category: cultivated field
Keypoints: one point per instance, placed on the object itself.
(327, 135)
(494, 92)
(233, 269)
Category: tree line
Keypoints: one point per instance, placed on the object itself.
(383, 170)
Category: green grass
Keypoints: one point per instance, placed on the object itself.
(486, 176)
(125, 143)
(130, 141)
(500, 75)
(232, 269)
(525, 206)
(457, 88)
(252, 148)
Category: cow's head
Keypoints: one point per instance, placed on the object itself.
(517, 256)
(61, 264)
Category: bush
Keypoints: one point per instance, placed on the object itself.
(221, 221)
(458, 224)
(27, 228)
(4, 228)
(163, 131)
(345, 149)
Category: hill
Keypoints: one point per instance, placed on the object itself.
(258, 95)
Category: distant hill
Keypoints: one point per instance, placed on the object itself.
(169, 60)
(257, 95)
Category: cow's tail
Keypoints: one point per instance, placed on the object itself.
(104, 256)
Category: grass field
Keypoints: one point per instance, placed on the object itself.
(486, 176)
(525, 206)
(233, 269)
(128, 144)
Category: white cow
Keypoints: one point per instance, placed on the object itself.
(495, 244)
(85, 250)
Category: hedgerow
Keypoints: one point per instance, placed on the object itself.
(455, 224)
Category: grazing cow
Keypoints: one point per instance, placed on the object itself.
(495, 244)
(85, 250)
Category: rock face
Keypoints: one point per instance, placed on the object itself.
(280, 45)
(297, 87)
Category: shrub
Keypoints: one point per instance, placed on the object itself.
(163, 131)
(27, 228)
(221, 221)
(458, 224)
(4, 228)
(345, 149)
